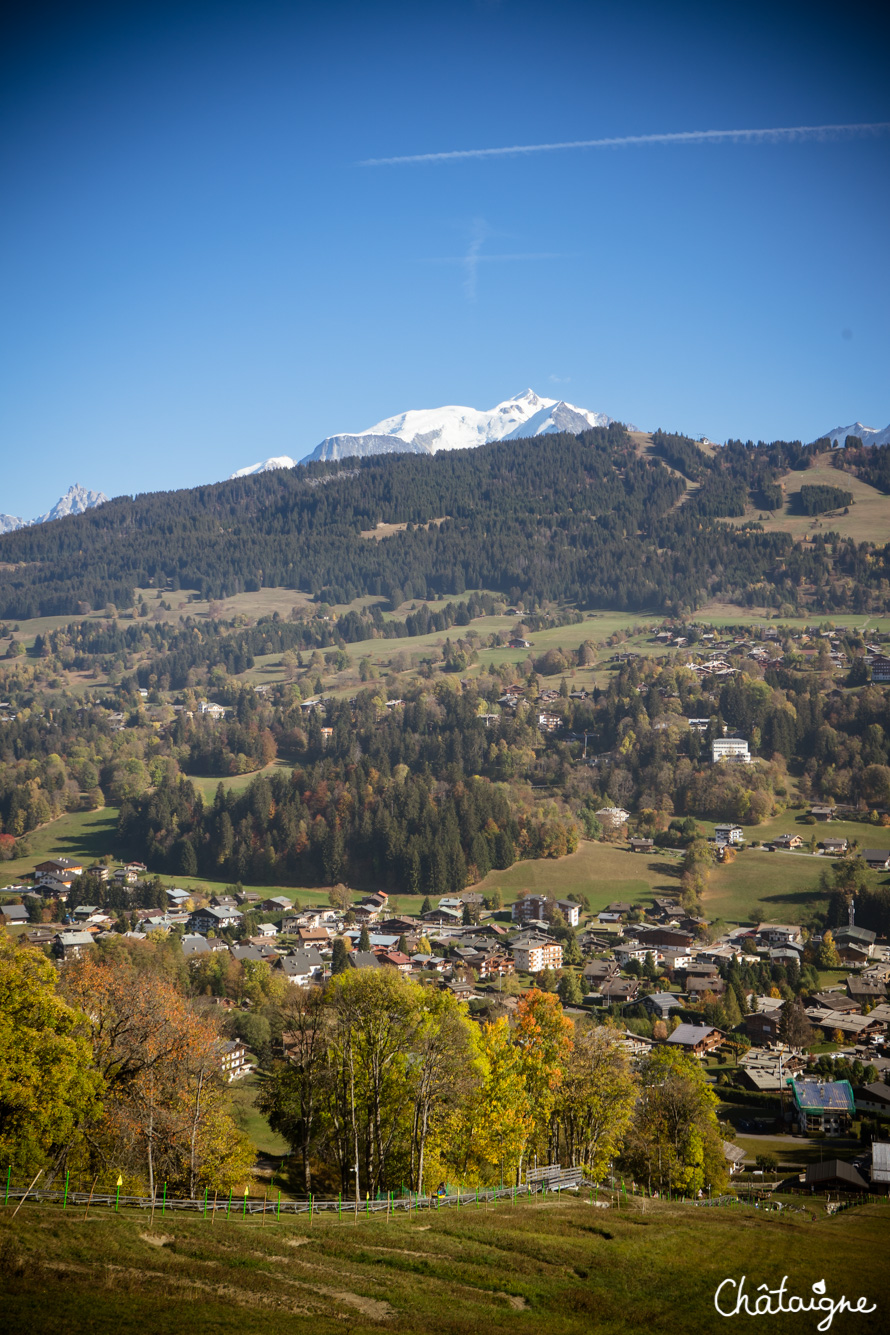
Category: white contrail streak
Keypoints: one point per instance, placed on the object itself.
(774, 135)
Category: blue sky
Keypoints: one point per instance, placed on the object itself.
(198, 271)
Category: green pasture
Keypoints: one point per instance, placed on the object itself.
(561, 1266)
(87, 835)
(756, 886)
(255, 1125)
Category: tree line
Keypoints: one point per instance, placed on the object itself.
(561, 518)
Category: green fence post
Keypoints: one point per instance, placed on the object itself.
(279, 1204)
(118, 1196)
(244, 1207)
(164, 1202)
(8, 1178)
(339, 1206)
(229, 1203)
(65, 1202)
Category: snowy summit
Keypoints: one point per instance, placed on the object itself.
(869, 435)
(428, 430)
(76, 500)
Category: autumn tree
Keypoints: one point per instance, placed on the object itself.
(544, 1038)
(47, 1089)
(595, 1100)
(165, 1115)
(674, 1141)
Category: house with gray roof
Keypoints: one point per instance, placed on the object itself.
(302, 966)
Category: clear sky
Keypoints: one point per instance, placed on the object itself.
(199, 271)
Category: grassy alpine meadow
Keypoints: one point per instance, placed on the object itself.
(563, 1266)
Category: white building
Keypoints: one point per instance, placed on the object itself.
(730, 748)
(537, 953)
(729, 834)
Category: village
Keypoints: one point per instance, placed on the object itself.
(652, 972)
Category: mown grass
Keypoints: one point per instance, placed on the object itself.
(563, 1267)
(78, 834)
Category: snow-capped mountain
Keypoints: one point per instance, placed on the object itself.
(74, 502)
(428, 430)
(268, 466)
(869, 435)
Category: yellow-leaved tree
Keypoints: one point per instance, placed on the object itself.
(47, 1085)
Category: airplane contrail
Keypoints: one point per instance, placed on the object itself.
(774, 135)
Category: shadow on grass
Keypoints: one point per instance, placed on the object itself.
(93, 842)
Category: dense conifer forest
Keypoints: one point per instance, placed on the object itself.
(582, 519)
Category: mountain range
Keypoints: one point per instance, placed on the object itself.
(76, 500)
(869, 435)
(428, 430)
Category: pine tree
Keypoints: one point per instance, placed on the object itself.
(364, 941)
(339, 959)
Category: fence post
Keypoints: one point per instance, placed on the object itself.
(228, 1204)
(92, 1189)
(339, 1205)
(244, 1207)
(278, 1216)
(65, 1201)
(164, 1202)
(311, 1203)
(205, 1202)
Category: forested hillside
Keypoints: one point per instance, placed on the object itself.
(563, 518)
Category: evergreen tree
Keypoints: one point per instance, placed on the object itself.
(339, 959)
(364, 941)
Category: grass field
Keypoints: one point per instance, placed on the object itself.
(252, 1122)
(757, 886)
(236, 783)
(868, 519)
(79, 834)
(562, 1267)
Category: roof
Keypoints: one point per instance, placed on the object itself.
(219, 913)
(734, 1153)
(855, 934)
(75, 938)
(665, 1002)
(690, 1034)
(363, 959)
(877, 1090)
(301, 962)
(195, 945)
(246, 953)
(823, 1095)
(832, 1170)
